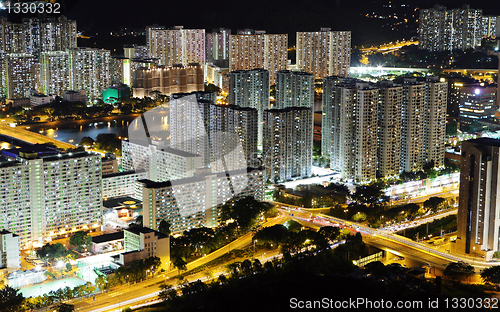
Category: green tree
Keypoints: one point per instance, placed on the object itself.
(10, 299)
(165, 292)
(245, 212)
(179, 263)
(455, 270)
(434, 203)
(87, 141)
(359, 217)
(491, 275)
(101, 283)
(64, 307)
(51, 253)
(81, 240)
(164, 227)
(109, 142)
(69, 267)
(246, 267)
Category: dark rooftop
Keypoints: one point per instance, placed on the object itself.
(195, 178)
(485, 141)
(118, 174)
(107, 237)
(119, 202)
(141, 229)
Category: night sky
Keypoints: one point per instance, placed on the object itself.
(273, 16)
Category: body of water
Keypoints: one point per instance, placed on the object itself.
(74, 133)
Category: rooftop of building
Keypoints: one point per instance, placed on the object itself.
(485, 141)
(3, 232)
(38, 149)
(69, 156)
(124, 173)
(165, 148)
(144, 230)
(196, 178)
(120, 202)
(107, 237)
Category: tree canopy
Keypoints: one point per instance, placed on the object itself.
(458, 269)
(10, 299)
(81, 240)
(491, 275)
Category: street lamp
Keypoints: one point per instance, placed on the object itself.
(345, 213)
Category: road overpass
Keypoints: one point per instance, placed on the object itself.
(31, 137)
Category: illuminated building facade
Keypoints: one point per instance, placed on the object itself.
(168, 80)
(250, 51)
(478, 223)
(390, 107)
(217, 46)
(324, 53)
(51, 194)
(447, 30)
(476, 103)
(89, 70)
(54, 72)
(294, 89)
(176, 46)
(21, 74)
(287, 143)
(250, 88)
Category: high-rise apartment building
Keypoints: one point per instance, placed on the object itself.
(162, 162)
(294, 89)
(89, 70)
(54, 72)
(189, 131)
(435, 121)
(230, 127)
(390, 107)
(36, 35)
(176, 46)
(357, 149)
(50, 194)
(250, 51)
(330, 121)
(287, 143)
(446, 30)
(20, 74)
(478, 221)
(324, 53)
(168, 80)
(491, 26)
(250, 88)
(195, 202)
(217, 46)
(121, 184)
(412, 135)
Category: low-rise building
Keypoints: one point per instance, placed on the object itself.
(39, 99)
(75, 96)
(107, 242)
(142, 243)
(9, 250)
